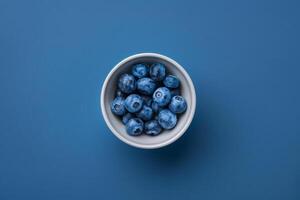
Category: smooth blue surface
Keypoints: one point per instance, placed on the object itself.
(243, 57)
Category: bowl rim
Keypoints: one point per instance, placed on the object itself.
(193, 96)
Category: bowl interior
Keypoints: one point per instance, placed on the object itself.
(167, 136)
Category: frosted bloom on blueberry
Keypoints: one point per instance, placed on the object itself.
(157, 71)
(133, 103)
(146, 113)
(146, 86)
(167, 119)
(162, 96)
(140, 70)
(118, 106)
(127, 83)
(135, 126)
(178, 104)
(171, 81)
(152, 128)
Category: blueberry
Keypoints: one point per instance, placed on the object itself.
(171, 81)
(133, 103)
(175, 92)
(152, 128)
(147, 100)
(146, 86)
(119, 93)
(146, 113)
(140, 70)
(127, 83)
(157, 71)
(127, 117)
(178, 104)
(135, 127)
(167, 119)
(155, 107)
(118, 106)
(162, 96)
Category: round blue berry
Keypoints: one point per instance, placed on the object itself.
(175, 92)
(127, 117)
(135, 126)
(152, 128)
(147, 100)
(140, 70)
(167, 119)
(127, 83)
(146, 86)
(171, 81)
(146, 113)
(117, 106)
(157, 71)
(178, 104)
(162, 96)
(134, 103)
(155, 107)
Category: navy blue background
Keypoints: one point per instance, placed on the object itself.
(243, 57)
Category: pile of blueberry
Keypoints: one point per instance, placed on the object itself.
(148, 100)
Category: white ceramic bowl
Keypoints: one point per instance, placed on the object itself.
(167, 136)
